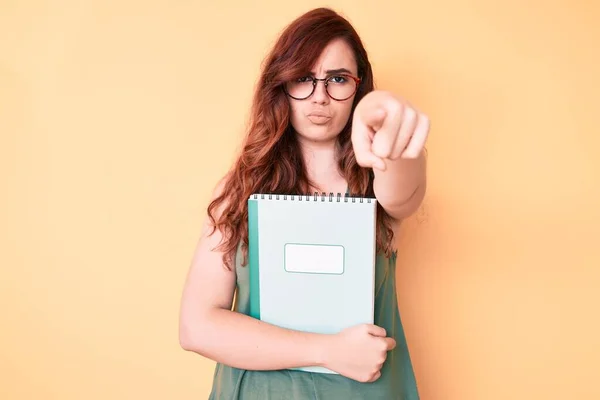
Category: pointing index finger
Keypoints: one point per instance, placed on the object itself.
(386, 136)
(362, 141)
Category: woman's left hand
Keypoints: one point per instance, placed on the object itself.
(385, 127)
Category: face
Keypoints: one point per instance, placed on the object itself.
(320, 118)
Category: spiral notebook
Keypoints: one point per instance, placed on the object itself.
(312, 261)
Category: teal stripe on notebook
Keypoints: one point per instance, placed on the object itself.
(253, 259)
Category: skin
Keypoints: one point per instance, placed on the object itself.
(388, 135)
(317, 135)
(311, 129)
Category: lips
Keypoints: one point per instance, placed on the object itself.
(319, 118)
(319, 114)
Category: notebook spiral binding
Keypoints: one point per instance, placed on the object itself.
(314, 197)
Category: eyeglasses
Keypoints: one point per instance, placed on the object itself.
(338, 87)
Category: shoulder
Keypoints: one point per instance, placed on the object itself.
(218, 198)
(221, 185)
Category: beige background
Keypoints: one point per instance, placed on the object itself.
(117, 118)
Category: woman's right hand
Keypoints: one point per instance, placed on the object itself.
(358, 352)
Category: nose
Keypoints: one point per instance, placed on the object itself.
(320, 95)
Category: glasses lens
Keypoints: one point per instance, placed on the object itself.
(300, 88)
(341, 87)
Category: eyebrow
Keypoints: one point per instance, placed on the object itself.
(336, 71)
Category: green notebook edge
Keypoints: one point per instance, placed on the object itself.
(253, 258)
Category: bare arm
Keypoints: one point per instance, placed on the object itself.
(401, 187)
(210, 328)
(389, 135)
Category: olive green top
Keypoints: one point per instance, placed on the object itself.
(397, 381)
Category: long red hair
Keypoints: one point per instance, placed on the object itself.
(270, 160)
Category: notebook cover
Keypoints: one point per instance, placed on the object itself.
(313, 257)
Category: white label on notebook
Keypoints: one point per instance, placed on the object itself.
(314, 259)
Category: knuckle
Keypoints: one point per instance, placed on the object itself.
(382, 148)
(373, 376)
(395, 106)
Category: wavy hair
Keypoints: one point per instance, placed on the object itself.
(270, 160)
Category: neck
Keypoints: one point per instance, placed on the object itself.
(321, 166)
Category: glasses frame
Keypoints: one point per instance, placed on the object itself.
(315, 81)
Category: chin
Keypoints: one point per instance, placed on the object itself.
(318, 134)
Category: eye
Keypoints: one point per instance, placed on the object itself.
(304, 79)
(338, 79)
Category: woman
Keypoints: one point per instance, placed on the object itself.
(317, 125)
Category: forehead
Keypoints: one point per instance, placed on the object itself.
(337, 54)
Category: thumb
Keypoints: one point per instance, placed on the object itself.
(372, 161)
(376, 330)
(361, 143)
(391, 343)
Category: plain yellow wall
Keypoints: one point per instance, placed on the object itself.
(118, 117)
